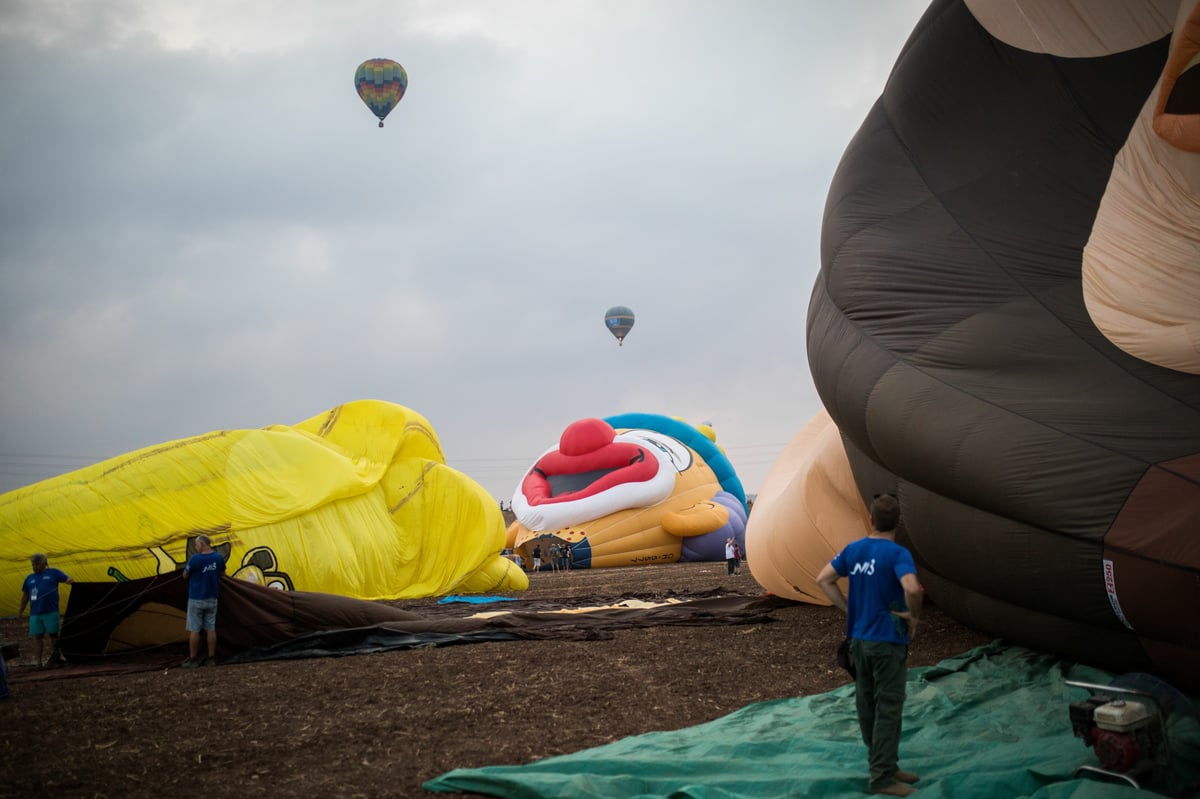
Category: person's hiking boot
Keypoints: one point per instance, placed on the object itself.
(906, 776)
(210, 661)
(190, 664)
(895, 789)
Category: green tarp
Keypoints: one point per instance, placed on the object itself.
(993, 723)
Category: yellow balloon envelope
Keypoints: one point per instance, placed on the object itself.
(356, 501)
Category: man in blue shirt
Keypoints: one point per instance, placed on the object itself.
(885, 601)
(203, 573)
(40, 592)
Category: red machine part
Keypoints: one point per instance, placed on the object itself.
(1118, 751)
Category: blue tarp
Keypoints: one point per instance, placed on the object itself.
(993, 723)
(473, 599)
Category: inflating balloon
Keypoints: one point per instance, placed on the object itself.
(619, 321)
(630, 490)
(356, 501)
(381, 83)
(1005, 328)
(807, 509)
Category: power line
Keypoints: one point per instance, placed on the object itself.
(32, 467)
(23, 456)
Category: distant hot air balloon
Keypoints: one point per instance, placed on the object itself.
(381, 84)
(619, 321)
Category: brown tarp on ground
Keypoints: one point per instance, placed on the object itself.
(143, 621)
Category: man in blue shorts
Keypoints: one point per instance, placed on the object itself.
(40, 593)
(203, 573)
(881, 618)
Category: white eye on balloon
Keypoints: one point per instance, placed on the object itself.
(673, 449)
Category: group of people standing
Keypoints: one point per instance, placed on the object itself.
(560, 556)
(39, 592)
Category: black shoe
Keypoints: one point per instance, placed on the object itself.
(210, 661)
(190, 664)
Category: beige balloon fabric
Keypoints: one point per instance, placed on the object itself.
(807, 509)
(1075, 28)
(1141, 266)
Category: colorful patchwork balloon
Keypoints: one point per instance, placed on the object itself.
(381, 84)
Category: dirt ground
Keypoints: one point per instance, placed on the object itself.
(380, 725)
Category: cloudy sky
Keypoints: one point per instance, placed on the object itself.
(202, 226)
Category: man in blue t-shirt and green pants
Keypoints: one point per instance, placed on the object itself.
(885, 601)
(203, 573)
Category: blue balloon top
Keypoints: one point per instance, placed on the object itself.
(689, 435)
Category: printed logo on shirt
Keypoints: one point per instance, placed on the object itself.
(866, 567)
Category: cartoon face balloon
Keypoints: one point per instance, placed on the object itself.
(1005, 216)
(629, 490)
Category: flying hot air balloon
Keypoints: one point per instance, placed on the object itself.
(619, 321)
(381, 84)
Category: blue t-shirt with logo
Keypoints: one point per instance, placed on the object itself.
(43, 590)
(875, 566)
(204, 575)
